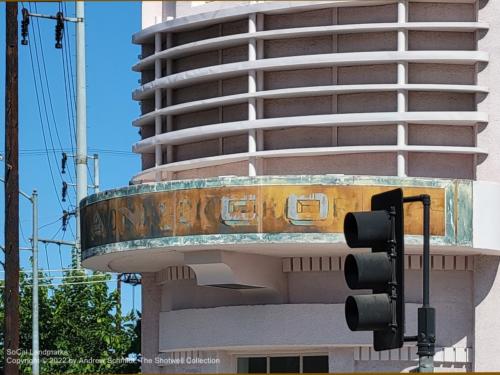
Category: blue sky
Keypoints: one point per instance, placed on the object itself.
(110, 111)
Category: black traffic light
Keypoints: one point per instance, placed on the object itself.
(382, 270)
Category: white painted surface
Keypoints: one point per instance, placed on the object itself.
(347, 119)
(222, 11)
(466, 302)
(259, 326)
(309, 61)
(233, 40)
(151, 13)
(486, 215)
(198, 105)
(486, 322)
(146, 175)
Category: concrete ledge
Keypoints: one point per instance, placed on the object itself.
(204, 132)
(263, 326)
(212, 16)
(234, 40)
(307, 61)
(148, 118)
(148, 175)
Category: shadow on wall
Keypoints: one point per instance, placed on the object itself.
(487, 267)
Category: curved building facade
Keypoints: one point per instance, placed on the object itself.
(262, 124)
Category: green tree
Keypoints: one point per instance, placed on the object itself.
(47, 333)
(81, 320)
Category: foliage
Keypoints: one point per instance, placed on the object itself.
(80, 323)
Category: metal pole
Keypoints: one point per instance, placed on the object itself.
(81, 122)
(35, 338)
(11, 292)
(426, 337)
(97, 181)
(426, 314)
(426, 252)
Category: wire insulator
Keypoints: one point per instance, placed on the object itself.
(65, 220)
(24, 26)
(64, 160)
(59, 29)
(64, 191)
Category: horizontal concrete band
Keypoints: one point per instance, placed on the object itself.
(153, 255)
(206, 132)
(450, 354)
(214, 16)
(246, 327)
(307, 61)
(302, 32)
(148, 175)
(198, 105)
(412, 262)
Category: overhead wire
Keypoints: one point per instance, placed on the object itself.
(51, 270)
(41, 90)
(49, 97)
(68, 83)
(51, 223)
(47, 257)
(37, 152)
(70, 277)
(71, 283)
(37, 95)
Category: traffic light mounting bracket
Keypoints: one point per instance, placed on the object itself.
(392, 254)
(426, 336)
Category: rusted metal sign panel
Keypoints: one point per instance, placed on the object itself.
(242, 209)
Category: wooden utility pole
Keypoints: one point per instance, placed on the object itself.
(11, 295)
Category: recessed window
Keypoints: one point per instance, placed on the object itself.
(315, 364)
(256, 365)
(283, 364)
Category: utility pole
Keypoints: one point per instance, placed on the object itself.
(81, 123)
(35, 332)
(11, 302)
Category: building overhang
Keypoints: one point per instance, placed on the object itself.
(145, 228)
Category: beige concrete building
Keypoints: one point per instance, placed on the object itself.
(262, 123)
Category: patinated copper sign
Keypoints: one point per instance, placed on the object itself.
(242, 209)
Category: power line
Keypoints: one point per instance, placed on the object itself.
(42, 125)
(43, 100)
(68, 81)
(49, 96)
(75, 283)
(51, 223)
(52, 270)
(37, 152)
(71, 277)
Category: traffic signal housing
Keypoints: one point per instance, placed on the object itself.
(382, 270)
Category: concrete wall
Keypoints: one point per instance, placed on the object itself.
(489, 136)
(191, 316)
(486, 296)
(466, 302)
(447, 165)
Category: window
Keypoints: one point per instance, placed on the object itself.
(315, 364)
(283, 364)
(257, 365)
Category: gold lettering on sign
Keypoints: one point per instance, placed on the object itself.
(238, 211)
(97, 227)
(244, 209)
(306, 209)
